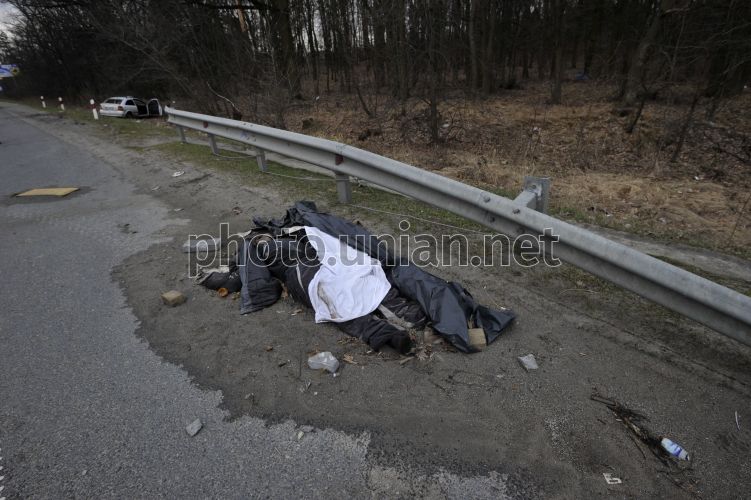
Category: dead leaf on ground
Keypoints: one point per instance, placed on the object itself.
(348, 358)
(269, 348)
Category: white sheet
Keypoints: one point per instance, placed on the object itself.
(349, 283)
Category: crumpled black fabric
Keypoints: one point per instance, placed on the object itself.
(293, 260)
(305, 213)
(259, 288)
(377, 332)
(448, 305)
(230, 280)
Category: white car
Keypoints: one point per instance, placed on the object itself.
(130, 107)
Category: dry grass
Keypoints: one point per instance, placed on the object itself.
(600, 173)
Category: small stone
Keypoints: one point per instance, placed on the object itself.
(528, 362)
(194, 427)
(173, 298)
(300, 435)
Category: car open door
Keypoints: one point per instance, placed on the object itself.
(142, 109)
(155, 109)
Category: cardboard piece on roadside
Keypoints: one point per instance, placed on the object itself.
(60, 191)
(477, 338)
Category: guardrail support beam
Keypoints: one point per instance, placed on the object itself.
(181, 133)
(212, 142)
(535, 193)
(261, 160)
(343, 188)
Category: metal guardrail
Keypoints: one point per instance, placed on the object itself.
(724, 310)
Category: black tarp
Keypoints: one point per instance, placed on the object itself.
(449, 307)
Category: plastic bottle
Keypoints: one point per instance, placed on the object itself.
(674, 449)
(324, 360)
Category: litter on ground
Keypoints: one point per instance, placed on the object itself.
(349, 277)
(528, 362)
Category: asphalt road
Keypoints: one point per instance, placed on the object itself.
(86, 409)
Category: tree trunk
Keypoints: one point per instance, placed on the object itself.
(472, 46)
(285, 47)
(635, 78)
(555, 92)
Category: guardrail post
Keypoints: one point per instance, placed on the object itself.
(212, 143)
(181, 131)
(261, 160)
(343, 188)
(535, 193)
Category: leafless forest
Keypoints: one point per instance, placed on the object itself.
(638, 108)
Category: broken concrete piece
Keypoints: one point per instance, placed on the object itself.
(528, 362)
(194, 427)
(193, 246)
(173, 298)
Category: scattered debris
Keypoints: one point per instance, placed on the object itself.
(178, 173)
(349, 359)
(674, 449)
(237, 210)
(610, 479)
(269, 348)
(405, 360)
(737, 423)
(156, 188)
(359, 299)
(661, 447)
(194, 427)
(173, 298)
(528, 362)
(282, 363)
(324, 360)
(222, 292)
(194, 245)
(300, 435)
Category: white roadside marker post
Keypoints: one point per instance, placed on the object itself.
(93, 109)
(62, 106)
(44, 104)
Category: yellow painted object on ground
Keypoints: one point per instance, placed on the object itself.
(48, 192)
